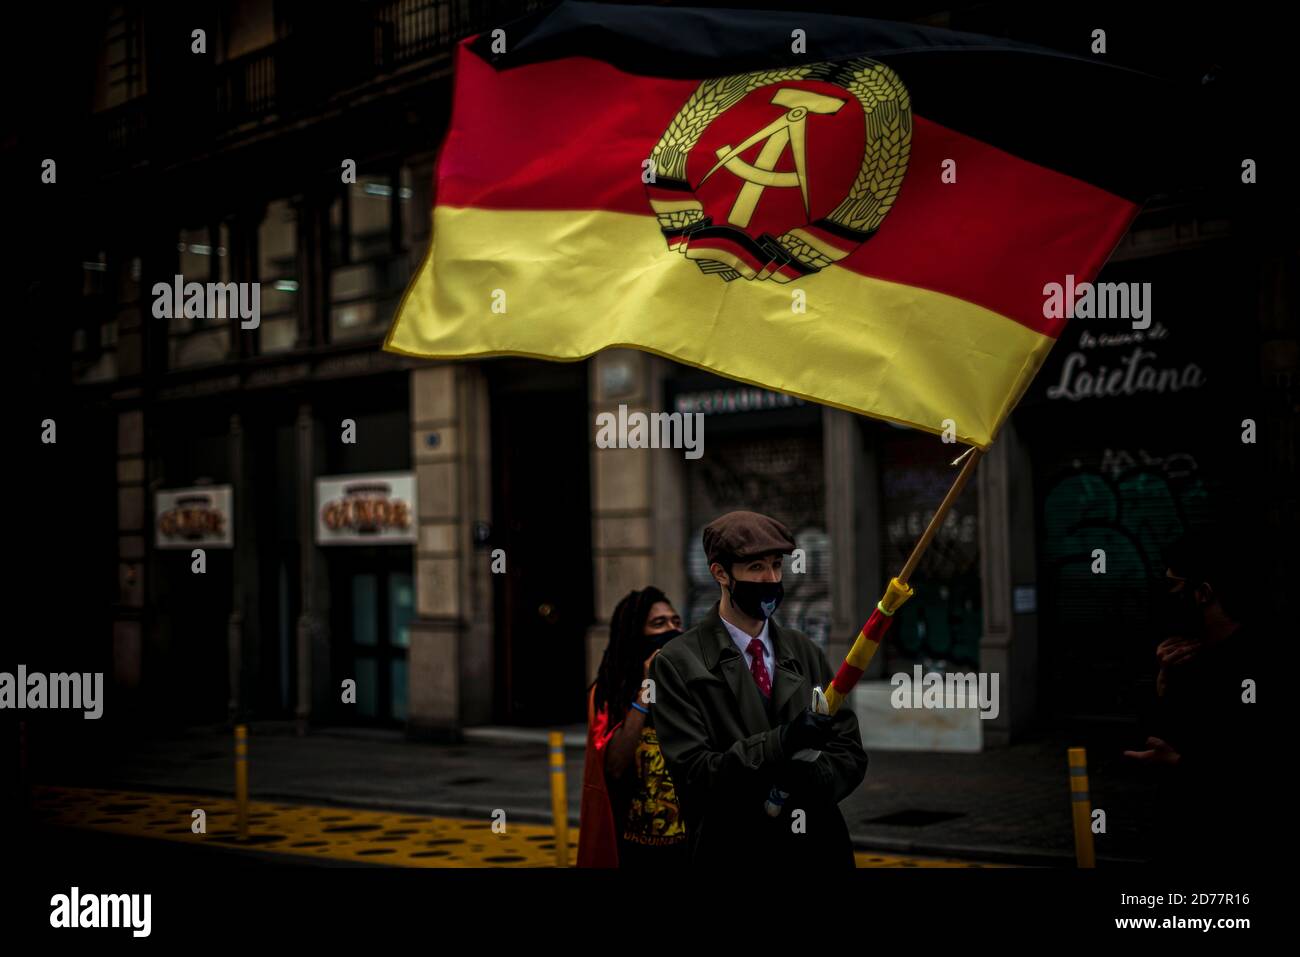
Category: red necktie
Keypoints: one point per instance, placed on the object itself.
(758, 668)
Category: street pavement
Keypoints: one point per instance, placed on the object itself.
(1006, 805)
(316, 834)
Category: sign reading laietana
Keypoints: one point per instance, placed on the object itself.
(373, 509)
(193, 517)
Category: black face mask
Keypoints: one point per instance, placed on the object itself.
(756, 599)
(661, 639)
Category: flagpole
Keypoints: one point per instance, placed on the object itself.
(896, 593)
(873, 632)
(972, 457)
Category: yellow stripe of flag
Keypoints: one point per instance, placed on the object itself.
(576, 282)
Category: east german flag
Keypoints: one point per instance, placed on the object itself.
(857, 212)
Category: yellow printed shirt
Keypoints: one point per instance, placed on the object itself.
(653, 814)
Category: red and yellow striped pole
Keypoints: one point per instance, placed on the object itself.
(867, 643)
(559, 800)
(1081, 805)
(873, 632)
(899, 591)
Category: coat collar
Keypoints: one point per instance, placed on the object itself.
(722, 657)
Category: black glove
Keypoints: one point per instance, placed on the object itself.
(809, 730)
(803, 781)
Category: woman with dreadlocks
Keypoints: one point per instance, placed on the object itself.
(629, 814)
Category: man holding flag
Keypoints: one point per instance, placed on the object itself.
(732, 709)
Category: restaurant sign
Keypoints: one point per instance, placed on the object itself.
(193, 517)
(373, 509)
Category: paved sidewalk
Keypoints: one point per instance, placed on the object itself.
(332, 833)
(1009, 805)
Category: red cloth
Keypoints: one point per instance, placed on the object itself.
(597, 836)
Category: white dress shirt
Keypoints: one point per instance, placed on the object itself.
(742, 641)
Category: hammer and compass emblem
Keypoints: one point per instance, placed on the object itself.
(733, 216)
(787, 130)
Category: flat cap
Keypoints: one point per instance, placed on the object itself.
(745, 535)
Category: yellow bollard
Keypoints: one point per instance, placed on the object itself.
(241, 780)
(1082, 805)
(559, 800)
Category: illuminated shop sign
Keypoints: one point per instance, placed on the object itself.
(737, 399)
(376, 509)
(193, 517)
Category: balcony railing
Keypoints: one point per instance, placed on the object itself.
(122, 131)
(246, 86)
(413, 29)
(316, 60)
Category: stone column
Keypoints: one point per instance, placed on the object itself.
(309, 617)
(853, 524)
(637, 507)
(450, 659)
(133, 524)
(236, 705)
(670, 543)
(1009, 645)
(313, 270)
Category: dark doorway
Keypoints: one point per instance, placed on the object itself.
(541, 431)
(64, 524)
(273, 581)
(187, 666)
(186, 658)
(372, 600)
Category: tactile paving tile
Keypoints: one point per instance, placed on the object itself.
(875, 859)
(338, 833)
(372, 837)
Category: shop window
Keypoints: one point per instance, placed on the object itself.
(941, 626)
(401, 605)
(371, 622)
(277, 270)
(94, 272)
(372, 227)
(367, 670)
(94, 339)
(398, 684)
(365, 612)
(203, 257)
(416, 199)
(781, 475)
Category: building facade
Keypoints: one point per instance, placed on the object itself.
(488, 600)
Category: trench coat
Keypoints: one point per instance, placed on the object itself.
(722, 744)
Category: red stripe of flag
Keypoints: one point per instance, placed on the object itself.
(573, 133)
